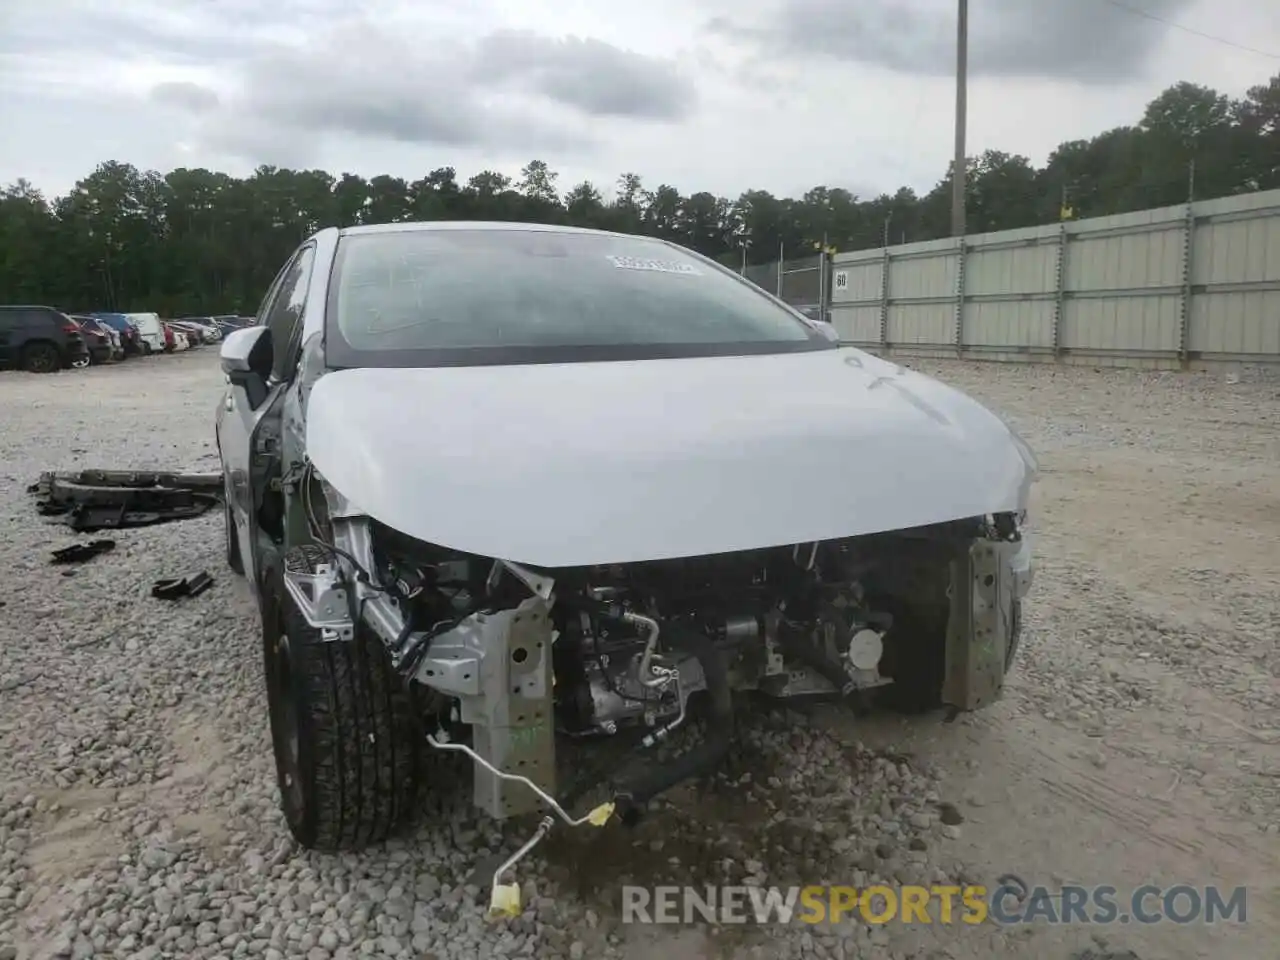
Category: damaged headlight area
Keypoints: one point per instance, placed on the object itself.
(510, 657)
(502, 661)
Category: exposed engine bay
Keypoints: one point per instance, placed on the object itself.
(514, 656)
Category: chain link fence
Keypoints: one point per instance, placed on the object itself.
(801, 283)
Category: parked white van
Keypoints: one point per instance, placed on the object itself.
(149, 330)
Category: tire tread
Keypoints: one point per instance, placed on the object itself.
(363, 736)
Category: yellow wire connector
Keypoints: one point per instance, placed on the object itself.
(601, 814)
(505, 901)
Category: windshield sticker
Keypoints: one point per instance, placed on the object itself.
(656, 266)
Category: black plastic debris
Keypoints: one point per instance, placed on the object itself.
(177, 588)
(92, 500)
(80, 552)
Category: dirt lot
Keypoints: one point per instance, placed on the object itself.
(1138, 742)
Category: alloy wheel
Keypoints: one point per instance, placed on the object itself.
(42, 360)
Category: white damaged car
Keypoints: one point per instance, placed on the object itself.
(500, 486)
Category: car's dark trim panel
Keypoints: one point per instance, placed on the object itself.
(339, 355)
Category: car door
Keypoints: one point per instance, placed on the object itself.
(239, 419)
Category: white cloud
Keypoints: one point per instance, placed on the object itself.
(779, 95)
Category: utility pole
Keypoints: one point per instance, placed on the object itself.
(962, 82)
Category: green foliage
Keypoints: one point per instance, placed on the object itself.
(196, 241)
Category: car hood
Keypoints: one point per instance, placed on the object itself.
(585, 463)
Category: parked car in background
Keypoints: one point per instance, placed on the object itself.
(174, 339)
(130, 337)
(233, 322)
(97, 341)
(40, 339)
(150, 333)
(117, 342)
(178, 327)
(210, 331)
(196, 335)
(115, 339)
(149, 329)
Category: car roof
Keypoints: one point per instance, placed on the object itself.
(495, 226)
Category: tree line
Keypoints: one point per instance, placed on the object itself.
(195, 241)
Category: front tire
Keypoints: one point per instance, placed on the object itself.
(343, 732)
(41, 358)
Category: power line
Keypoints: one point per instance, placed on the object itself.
(1191, 30)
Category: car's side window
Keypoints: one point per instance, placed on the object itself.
(264, 307)
(285, 313)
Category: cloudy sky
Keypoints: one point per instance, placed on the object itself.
(723, 95)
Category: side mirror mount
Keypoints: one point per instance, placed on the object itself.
(246, 357)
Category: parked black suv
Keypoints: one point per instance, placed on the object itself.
(39, 339)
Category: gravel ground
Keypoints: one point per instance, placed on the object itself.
(1139, 740)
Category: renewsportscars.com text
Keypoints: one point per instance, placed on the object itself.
(1012, 902)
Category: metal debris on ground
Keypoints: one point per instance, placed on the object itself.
(80, 552)
(90, 500)
(178, 587)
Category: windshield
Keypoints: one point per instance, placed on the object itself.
(473, 296)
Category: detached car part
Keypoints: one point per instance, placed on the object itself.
(175, 588)
(91, 500)
(80, 552)
(480, 518)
